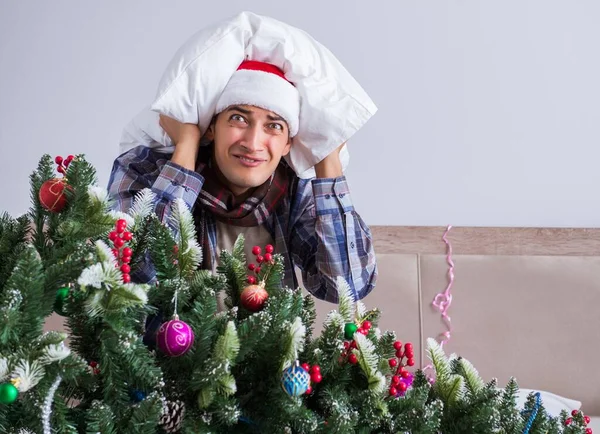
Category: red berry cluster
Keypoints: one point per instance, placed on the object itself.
(364, 328)
(123, 254)
(63, 164)
(586, 420)
(260, 259)
(398, 362)
(95, 368)
(315, 375)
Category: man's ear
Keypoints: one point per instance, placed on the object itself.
(287, 148)
(210, 132)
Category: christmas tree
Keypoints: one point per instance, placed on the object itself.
(161, 356)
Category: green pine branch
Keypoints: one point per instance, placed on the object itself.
(346, 303)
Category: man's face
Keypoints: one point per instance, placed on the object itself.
(249, 143)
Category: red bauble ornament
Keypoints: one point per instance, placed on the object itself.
(305, 366)
(253, 297)
(268, 257)
(569, 421)
(260, 259)
(393, 391)
(316, 377)
(315, 369)
(367, 325)
(411, 362)
(393, 363)
(397, 345)
(126, 278)
(405, 374)
(399, 354)
(119, 243)
(395, 380)
(574, 413)
(52, 195)
(251, 280)
(269, 248)
(251, 267)
(256, 250)
(588, 431)
(127, 251)
(353, 359)
(127, 236)
(125, 268)
(308, 391)
(587, 419)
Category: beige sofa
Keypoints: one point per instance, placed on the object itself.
(526, 302)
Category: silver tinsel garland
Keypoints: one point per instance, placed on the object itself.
(47, 408)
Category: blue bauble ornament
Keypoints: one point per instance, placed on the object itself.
(138, 396)
(295, 380)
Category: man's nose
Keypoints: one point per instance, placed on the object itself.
(253, 139)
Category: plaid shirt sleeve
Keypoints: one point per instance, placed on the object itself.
(142, 168)
(330, 239)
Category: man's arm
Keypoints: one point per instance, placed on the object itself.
(169, 178)
(330, 239)
(142, 168)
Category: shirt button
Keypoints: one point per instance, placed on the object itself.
(352, 245)
(341, 195)
(327, 196)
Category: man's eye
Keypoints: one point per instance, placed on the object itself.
(237, 118)
(277, 127)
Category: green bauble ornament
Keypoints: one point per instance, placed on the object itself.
(8, 393)
(349, 330)
(61, 296)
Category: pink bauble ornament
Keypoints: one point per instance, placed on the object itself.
(175, 337)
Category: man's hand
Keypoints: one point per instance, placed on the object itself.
(180, 132)
(330, 166)
(185, 137)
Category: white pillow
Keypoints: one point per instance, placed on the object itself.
(333, 105)
(553, 404)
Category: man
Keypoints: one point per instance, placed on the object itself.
(239, 184)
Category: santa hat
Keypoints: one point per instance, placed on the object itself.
(263, 85)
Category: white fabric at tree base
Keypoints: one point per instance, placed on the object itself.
(265, 90)
(333, 105)
(553, 404)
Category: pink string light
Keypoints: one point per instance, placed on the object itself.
(443, 300)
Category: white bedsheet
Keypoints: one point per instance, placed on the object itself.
(595, 424)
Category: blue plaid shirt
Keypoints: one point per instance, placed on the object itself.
(316, 230)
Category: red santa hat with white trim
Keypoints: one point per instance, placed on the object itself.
(262, 85)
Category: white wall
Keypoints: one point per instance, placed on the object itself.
(488, 110)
